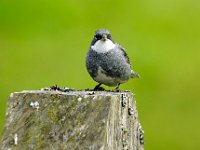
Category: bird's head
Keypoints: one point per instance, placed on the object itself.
(102, 41)
(102, 34)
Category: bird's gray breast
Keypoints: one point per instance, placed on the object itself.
(109, 68)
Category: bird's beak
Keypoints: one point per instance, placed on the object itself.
(104, 37)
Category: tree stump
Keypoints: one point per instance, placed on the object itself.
(72, 120)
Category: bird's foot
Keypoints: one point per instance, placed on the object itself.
(98, 88)
(117, 88)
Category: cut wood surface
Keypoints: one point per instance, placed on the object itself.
(73, 120)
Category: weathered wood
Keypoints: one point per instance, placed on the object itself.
(72, 120)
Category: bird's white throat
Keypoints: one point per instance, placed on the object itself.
(103, 46)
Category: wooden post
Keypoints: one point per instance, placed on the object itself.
(73, 120)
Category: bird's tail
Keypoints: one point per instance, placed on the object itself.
(134, 74)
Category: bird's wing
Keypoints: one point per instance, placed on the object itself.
(125, 54)
(133, 73)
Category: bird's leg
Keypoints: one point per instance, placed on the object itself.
(117, 88)
(98, 87)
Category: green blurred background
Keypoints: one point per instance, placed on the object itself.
(44, 42)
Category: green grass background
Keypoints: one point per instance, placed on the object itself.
(44, 42)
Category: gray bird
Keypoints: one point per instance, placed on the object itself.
(107, 62)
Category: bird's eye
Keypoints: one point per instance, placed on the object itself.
(108, 36)
(98, 36)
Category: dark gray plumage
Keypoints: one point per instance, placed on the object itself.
(107, 62)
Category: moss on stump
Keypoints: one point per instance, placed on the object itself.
(75, 120)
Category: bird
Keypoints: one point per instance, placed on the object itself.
(107, 62)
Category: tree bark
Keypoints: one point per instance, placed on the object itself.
(73, 120)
